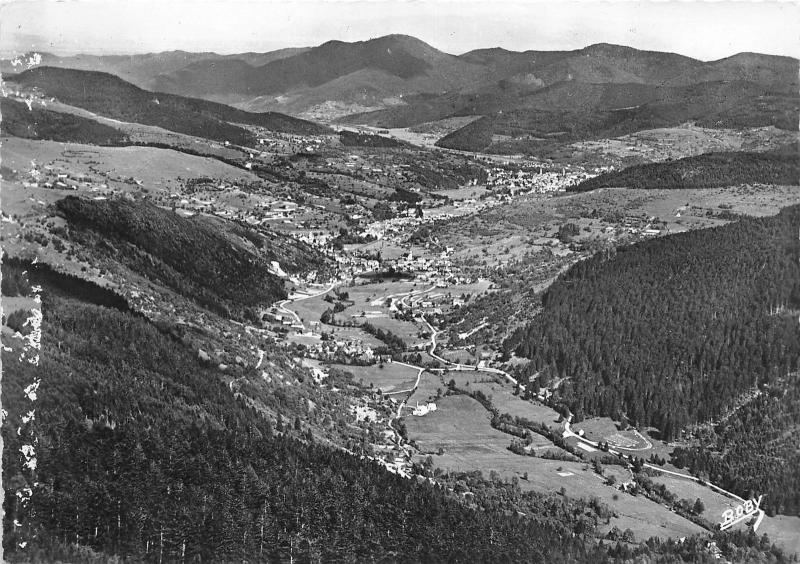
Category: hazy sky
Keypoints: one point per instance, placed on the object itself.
(705, 30)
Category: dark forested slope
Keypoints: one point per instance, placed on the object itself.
(567, 112)
(39, 123)
(671, 330)
(705, 171)
(677, 330)
(189, 255)
(754, 449)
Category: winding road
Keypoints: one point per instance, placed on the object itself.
(457, 366)
(281, 306)
(568, 432)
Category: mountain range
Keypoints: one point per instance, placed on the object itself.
(525, 98)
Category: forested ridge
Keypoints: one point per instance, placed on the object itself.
(39, 123)
(110, 96)
(755, 449)
(185, 254)
(671, 331)
(709, 170)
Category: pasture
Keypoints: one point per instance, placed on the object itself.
(429, 386)
(391, 378)
(781, 529)
(460, 427)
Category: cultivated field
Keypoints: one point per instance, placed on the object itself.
(392, 377)
(429, 386)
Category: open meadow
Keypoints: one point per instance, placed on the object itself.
(389, 377)
(782, 529)
(460, 428)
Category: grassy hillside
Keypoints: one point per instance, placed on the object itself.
(112, 97)
(704, 171)
(188, 255)
(39, 123)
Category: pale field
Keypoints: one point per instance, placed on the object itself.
(365, 293)
(476, 288)
(30, 207)
(391, 378)
(429, 384)
(151, 165)
(388, 251)
(424, 135)
(370, 300)
(784, 530)
(665, 205)
(310, 309)
(460, 426)
(409, 332)
(444, 126)
(306, 340)
(353, 334)
(502, 397)
(463, 193)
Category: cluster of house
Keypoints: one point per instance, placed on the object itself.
(286, 142)
(265, 213)
(424, 409)
(533, 182)
(336, 350)
(431, 270)
(370, 166)
(350, 265)
(48, 177)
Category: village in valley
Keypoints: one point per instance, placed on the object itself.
(434, 257)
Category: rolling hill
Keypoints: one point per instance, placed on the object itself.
(141, 69)
(404, 65)
(400, 81)
(112, 97)
(570, 111)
